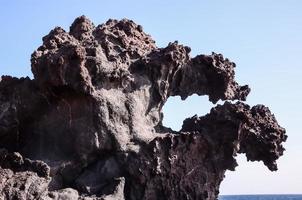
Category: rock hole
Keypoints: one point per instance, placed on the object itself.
(176, 110)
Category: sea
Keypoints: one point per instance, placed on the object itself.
(261, 197)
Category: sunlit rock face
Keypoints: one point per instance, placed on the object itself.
(89, 125)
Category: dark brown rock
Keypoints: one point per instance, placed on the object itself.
(89, 125)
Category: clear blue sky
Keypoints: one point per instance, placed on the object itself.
(263, 37)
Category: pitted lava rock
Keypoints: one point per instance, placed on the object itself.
(89, 125)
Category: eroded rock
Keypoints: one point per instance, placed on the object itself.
(89, 125)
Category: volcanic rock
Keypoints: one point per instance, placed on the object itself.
(89, 125)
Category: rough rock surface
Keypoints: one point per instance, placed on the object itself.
(89, 125)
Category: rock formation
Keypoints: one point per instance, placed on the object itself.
(89, 125)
